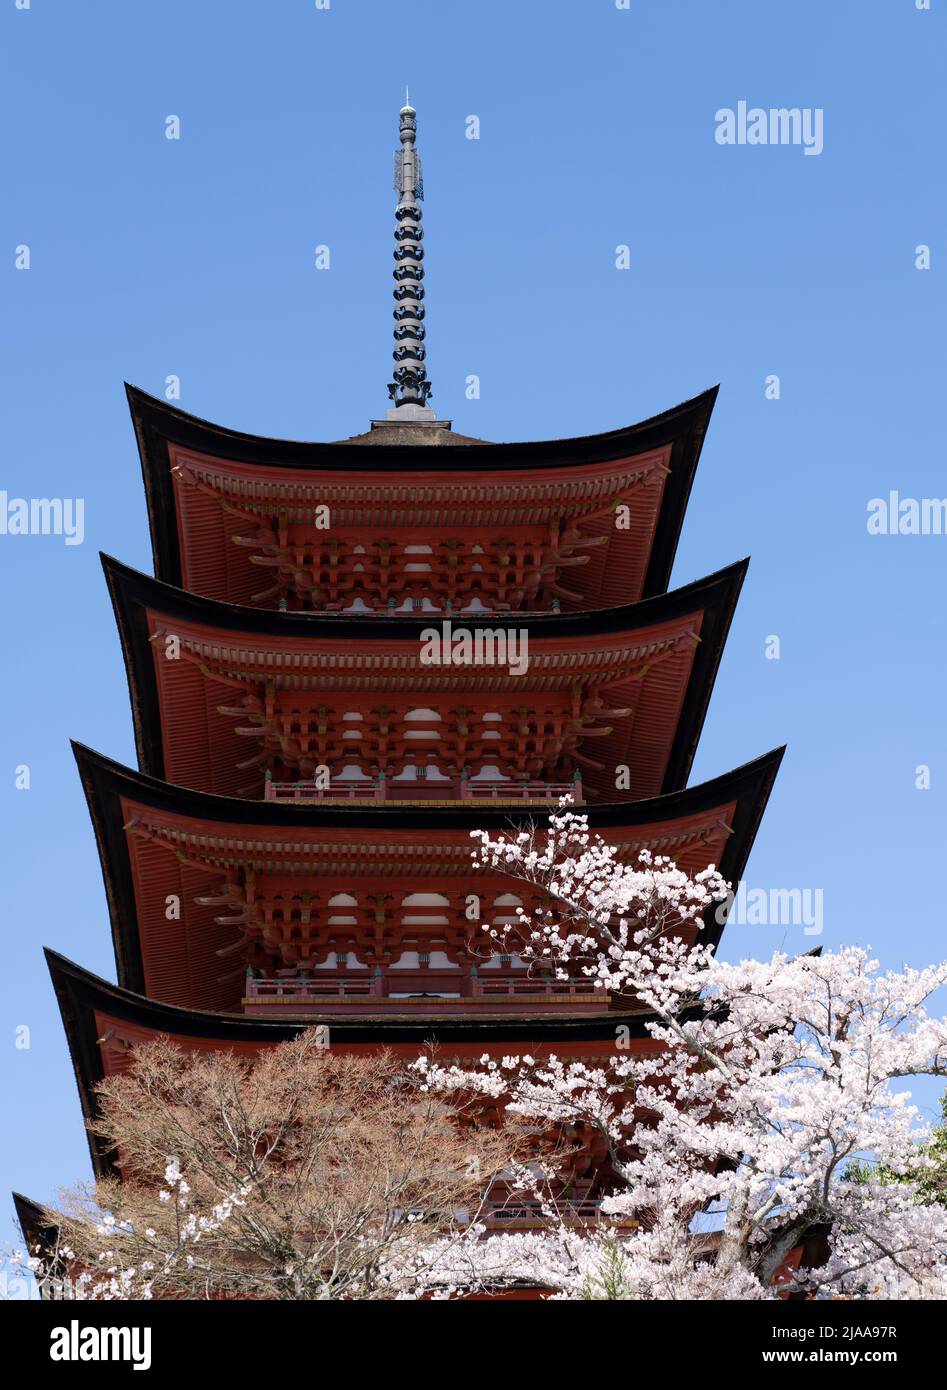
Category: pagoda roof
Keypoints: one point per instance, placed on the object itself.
(103, 1022)
(657, 659)
(392, 476)
(156, 840)
(38, 1230)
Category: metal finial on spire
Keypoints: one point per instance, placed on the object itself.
(410, 388)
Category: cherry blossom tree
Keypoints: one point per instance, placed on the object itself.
(735, 1144)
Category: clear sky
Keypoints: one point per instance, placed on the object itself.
(151, 257)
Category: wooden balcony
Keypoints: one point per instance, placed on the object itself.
(519, 1215)
(443, 791)
(437, 992)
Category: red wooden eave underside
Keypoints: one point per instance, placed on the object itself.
(643, 674)
(120, 1036)
(217, 499)
(293, 874)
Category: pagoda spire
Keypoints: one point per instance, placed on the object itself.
(410, 388)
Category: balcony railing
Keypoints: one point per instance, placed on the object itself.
(382, 986)
(295, 988)
(513, 1212)
(447, 789)
(543, 988)
(571, 1211)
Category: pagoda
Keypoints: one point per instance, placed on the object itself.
(351, 656)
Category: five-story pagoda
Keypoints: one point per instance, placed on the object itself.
(352, 655)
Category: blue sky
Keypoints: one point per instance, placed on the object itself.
(152, 257)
